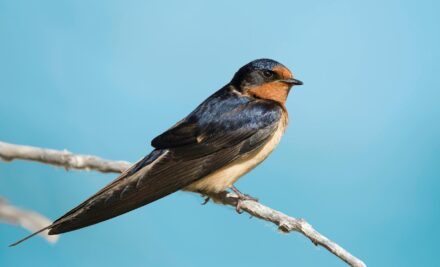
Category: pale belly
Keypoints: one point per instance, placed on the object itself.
(228, 175)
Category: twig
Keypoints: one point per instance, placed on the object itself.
(29, 220)
(284, 223)
(287, 224)
(9, 152)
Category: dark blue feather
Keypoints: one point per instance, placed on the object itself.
(224, 115)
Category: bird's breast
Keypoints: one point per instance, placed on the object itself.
(226, 176)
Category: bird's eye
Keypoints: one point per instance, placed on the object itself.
(267, 74)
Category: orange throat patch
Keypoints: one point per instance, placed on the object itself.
(276, 91)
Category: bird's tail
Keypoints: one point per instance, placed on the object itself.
(29, 236)
(102, 205)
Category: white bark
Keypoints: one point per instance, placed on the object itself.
(59, 158)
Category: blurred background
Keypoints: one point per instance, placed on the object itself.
(359, 161)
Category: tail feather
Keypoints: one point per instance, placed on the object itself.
(70, 222)
(29, 236)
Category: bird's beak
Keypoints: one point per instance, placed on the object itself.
(292, 81)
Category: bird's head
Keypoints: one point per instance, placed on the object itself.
(265, 79)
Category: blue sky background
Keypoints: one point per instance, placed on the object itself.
(359, 161)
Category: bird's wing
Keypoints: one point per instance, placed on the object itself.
(208, 139)
(223, 120)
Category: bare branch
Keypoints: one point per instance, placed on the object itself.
(9, 152)
(29, 220)
(287, 224)
(282, 221)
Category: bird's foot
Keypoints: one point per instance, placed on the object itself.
(241, 197)
(206, 200)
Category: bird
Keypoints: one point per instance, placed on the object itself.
(225, 137)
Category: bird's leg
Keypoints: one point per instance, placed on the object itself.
(241, 197)
(206, 200)
(206, 197)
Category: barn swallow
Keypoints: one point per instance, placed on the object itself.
(225, 137)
